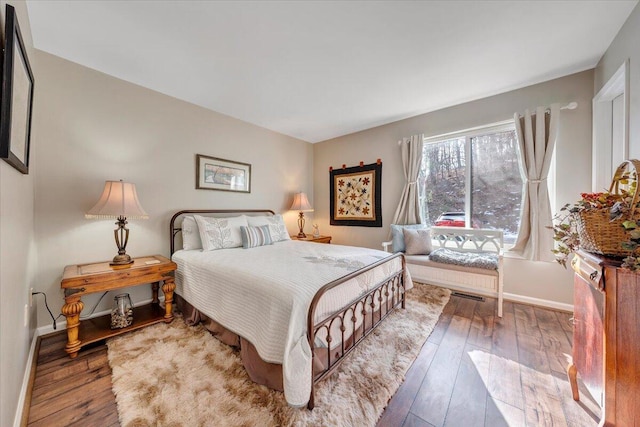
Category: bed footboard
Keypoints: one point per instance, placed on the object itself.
(353, 322)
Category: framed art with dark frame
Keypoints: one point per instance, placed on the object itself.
(213, 173)
(17, 97)
(356, 196)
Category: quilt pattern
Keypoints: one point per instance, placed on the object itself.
(356, 196)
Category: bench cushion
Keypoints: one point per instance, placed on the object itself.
(424, 260)
(486, 260)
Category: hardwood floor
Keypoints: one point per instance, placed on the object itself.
(478, 370)
(474, 370)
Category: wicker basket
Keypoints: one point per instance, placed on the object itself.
(600, 235)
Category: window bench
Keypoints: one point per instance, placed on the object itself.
(460, 277)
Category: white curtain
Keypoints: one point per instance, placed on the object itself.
(408, 211)
(537, 134)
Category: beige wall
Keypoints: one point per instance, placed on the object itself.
(539, 280)
(89, 127)
(625, 46)
(17, 260)
(92, 127)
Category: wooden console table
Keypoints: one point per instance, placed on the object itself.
(310, 238)
(606, 337)
(79, 280)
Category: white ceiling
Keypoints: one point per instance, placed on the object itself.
(318, 70)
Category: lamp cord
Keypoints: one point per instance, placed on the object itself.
(86, 316)
(47, 305)
(55, 319)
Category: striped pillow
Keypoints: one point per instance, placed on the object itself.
(255, 236)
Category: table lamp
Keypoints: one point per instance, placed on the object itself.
(301, 204)
(119, 200)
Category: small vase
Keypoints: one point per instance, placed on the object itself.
(122, 312)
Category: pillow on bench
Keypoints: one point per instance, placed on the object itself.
(486, 260)
(417, 242)
(397, 236)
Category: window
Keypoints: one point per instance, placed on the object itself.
(472, 179)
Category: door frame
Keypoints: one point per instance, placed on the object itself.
(602, 145)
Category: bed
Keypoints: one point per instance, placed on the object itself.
(296, 309)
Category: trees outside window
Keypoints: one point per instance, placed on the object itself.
(475, 173)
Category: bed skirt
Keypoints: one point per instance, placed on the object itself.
(261, 372)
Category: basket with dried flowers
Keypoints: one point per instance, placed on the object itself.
(603, 223)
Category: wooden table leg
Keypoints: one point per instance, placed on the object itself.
(168, 287)
(572, 373)
(154, 292)
(71, 310)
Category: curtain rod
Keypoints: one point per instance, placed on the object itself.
(570, 106)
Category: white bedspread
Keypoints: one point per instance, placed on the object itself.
(263, 294)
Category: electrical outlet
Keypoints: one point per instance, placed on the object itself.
(26, 315)
(30, 297)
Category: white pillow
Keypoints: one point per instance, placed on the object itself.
(220, 233)
(417, 242)
(277, 229)
(190, 234)
(397, 238)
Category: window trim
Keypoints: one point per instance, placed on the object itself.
(467, 135)
(496, 127)
(472, 132)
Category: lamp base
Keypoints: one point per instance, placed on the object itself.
(121, 234)
(301, 234)
(121, 260)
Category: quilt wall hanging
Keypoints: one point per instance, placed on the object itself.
(356, 195)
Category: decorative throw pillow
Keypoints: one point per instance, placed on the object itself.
(220, 233)
(277, 229)
(417, 242)
(190, 234)
(398, 238)
(253, 237)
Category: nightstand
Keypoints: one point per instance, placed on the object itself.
(82, 279)
(310, 238)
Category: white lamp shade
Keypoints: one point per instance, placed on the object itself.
(118, 199)
(301, 203)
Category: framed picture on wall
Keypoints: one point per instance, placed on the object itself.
(213, 173)
(17, 97)
(356, 196)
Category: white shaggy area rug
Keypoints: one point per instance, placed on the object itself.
(177, 375)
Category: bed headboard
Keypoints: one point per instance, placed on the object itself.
(174, 227)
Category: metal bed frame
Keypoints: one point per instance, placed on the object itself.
(389, 295)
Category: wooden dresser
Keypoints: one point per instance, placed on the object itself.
(606, 337)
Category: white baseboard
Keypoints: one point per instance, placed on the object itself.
(17, 420)
(509, 297)
(539, 302)
(61, 325)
